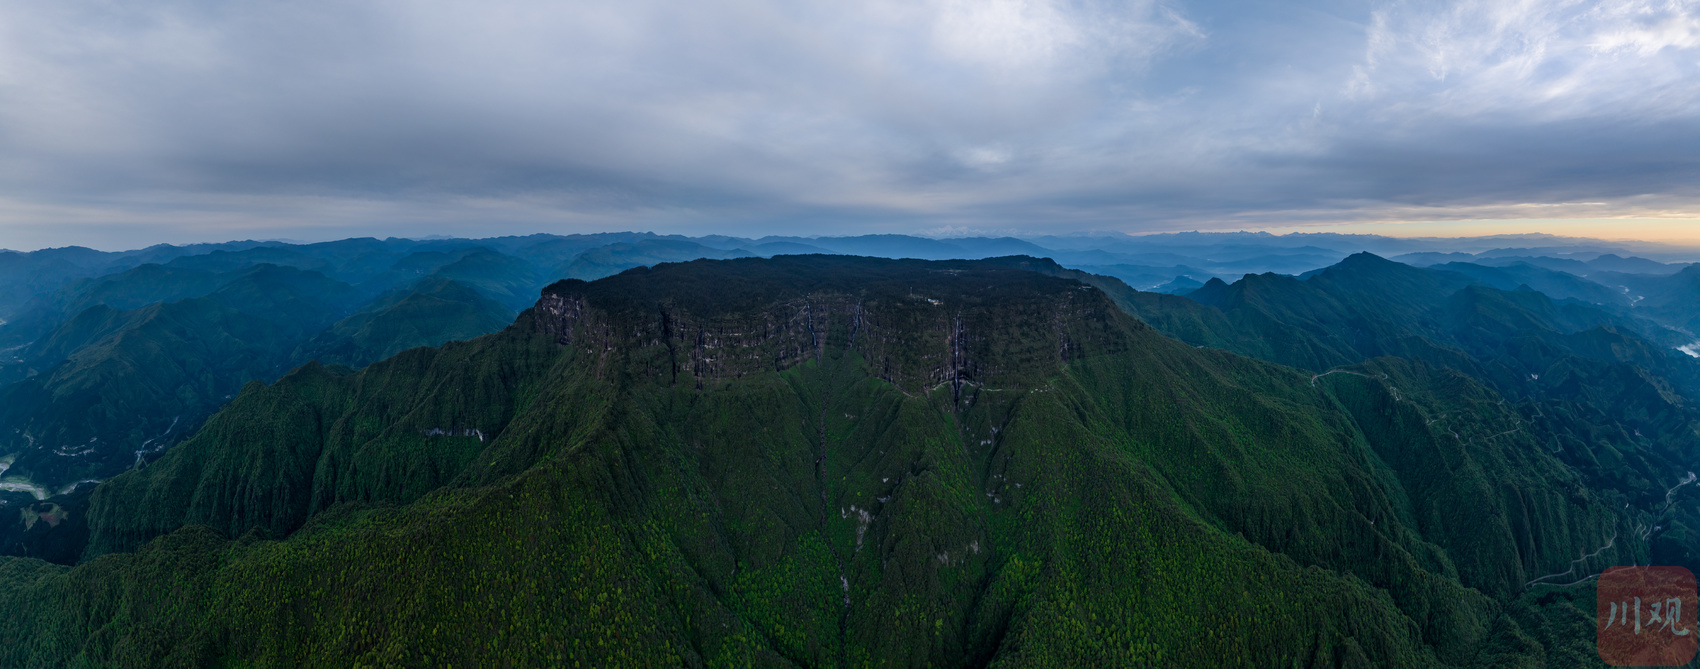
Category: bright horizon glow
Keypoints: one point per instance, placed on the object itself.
(1674, 234)
(129, 124)
(1679, 232)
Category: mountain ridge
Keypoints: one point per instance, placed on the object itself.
(821, 460)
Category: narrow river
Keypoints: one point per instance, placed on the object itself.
(19, 483)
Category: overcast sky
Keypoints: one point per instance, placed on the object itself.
(128, 123)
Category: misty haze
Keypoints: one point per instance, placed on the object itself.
(1006, 333)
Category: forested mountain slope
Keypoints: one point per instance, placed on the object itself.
(116, 385)
(1553, 283)
(105, 372)
(1615, 407)
(429, 313)
(131, 289)
(832, 461)
(1675, 296)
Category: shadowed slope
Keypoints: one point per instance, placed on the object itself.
(818, 461)
(428, 313)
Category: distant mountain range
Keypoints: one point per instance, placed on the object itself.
(636, 449)
(82, 327)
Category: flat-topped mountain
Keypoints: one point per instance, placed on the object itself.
(829, 461)
(917, 324)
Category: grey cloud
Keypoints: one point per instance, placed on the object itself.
(886, 116)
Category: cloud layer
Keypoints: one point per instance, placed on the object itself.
(175, 119)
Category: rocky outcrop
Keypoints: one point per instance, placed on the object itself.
(988, 326)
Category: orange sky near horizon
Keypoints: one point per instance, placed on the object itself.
(1673, 231)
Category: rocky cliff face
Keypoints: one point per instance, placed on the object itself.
(952, 334)
(733, 464)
